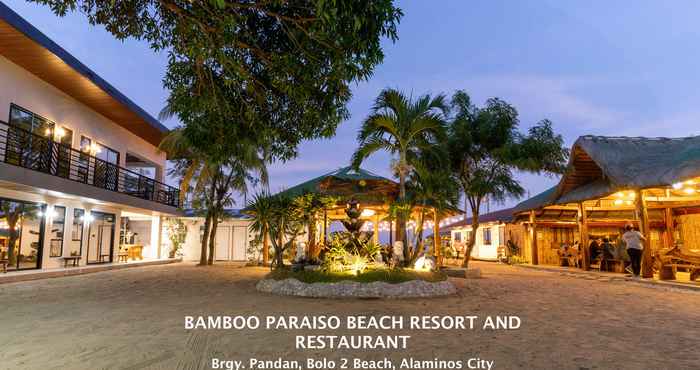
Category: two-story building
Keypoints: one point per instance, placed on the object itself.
(81, 177)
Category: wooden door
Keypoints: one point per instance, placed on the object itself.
(223, 243)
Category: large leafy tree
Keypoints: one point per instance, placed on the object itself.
(486, 148)
(401, 125)
(278, 69)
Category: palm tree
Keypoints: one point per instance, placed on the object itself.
(284, 227)
(262, 208)
(213, 181)
(399, 125)
(486, 147)
(308, 206)
(436, 188)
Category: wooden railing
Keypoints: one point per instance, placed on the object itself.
(25, 149)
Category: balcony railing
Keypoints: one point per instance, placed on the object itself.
(25, 149)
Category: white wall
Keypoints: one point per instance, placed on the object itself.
(481, 250)
(20, 87)
(192, 248)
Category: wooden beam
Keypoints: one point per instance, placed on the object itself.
(533, 238)
(582, 220)
(643, 216)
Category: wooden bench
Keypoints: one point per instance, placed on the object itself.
(102, 257)
(74, 259)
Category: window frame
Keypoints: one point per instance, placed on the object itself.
(63, 232)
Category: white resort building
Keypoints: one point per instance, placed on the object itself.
(490, 234)
(81, 178)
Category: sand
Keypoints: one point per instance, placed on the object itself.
(134, 319)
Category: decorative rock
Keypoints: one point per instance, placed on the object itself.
(352, 289)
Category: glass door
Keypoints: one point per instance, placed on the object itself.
(101, 237)
(21, 234)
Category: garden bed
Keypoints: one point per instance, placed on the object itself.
(380, 283)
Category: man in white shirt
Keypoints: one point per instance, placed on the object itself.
(633, 239)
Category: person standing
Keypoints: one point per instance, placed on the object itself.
(633, 239)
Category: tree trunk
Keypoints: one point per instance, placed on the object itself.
(437, 241)
(212, 237)
(400, 217)
(205, 240)
(266, 247)
(312, 238)
(472, 239)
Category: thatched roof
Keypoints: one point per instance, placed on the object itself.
(600, 166)
(347, 182)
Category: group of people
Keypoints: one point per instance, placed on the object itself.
(603, 248)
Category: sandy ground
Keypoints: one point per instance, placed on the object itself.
(134, 319)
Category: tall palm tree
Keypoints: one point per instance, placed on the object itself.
(399, 125)
(486, 147)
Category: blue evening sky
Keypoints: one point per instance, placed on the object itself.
(592, 67)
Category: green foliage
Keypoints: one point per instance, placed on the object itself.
(392, 276)
(277, 70)
(177, 233)
(486, 148)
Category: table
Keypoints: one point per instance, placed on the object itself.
(134, 251)
(74, 259)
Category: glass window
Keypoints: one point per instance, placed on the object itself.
(21, 234)
(58, 227)
(29, 121)
(487, 236)
(76, 238)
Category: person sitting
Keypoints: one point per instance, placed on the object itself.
(595, 248)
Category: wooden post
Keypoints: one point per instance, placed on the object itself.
(533, 238)
(325, 227)
(582, 220)
(437, 240)
(668, 221)
(375, 235)
(391, 235)
(643, 216)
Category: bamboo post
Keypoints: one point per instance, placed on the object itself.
(533, 238)
(375, 225)
(668, 221)
(582, 220)
(643, 216)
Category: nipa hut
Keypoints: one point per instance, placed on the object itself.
(651, 183)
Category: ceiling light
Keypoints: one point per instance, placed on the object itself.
(367, 213)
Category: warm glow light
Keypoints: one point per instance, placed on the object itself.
(618, 202)
(690, 182)
(677, 185)
(367, 213)
(632, 194)
(689, 190)
(59, 133)
(629, 202)
(48, 131)
(620, 194)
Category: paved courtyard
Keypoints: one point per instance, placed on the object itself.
(134, 319)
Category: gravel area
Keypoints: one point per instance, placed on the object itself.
(134, 319)
(351, 289)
